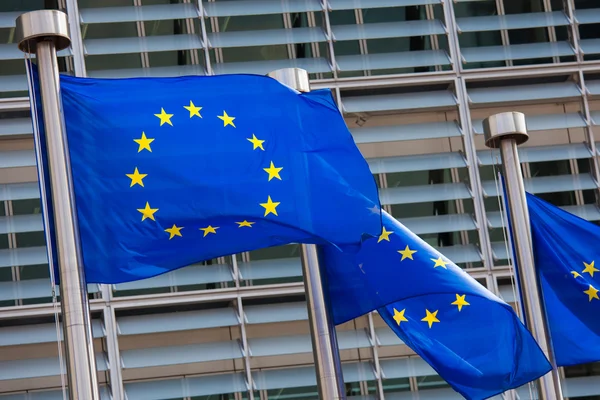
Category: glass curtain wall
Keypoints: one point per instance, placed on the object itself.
(414, 79)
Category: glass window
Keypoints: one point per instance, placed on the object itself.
(470, 39)
(141, 292)
(276, 252)
(309, 50)
(23, 5)
(250, 23)
(428, 209)
(113, 61)
(156, 2)
(575, 371)
(168, 27)
(300, 393)
(132, 29)
(553, 168)
(7, 36)
(431, 382)
(353, 389)
(286, 252)
(6, 273)
(588, 32)
(171, 287)
(418, 34)
(111, 31)
(344, 47)
(492, 204)
(394, 14)
(473, 19)
(533, 35)
(411, 43)
(106, 3)
(30, 239)
(26, 207)
(396, 385)
(585, 166)
(223, 396)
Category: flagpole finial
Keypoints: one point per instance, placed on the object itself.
(295, 78)
(506, 125)
(42, 25)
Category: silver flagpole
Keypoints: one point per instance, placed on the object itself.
(44, 33)
(505, 131)
(330, 381)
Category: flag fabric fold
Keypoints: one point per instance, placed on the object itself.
(169, 172)
(566, 248)
(474, 340)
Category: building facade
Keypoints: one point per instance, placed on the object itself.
(414, 79)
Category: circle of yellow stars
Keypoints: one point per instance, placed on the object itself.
(144, 144)
(431, 317)
(590, 269)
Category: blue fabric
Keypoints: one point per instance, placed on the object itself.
(258, 165)
(566, 249)
(480, 349)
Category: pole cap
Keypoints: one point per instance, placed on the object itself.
(503, 126)
(37, 26)
(296, 78)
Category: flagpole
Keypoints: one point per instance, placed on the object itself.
(44, 33)
(330, 381)
(505, 131)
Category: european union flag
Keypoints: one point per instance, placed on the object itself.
(169, 172)
(566, 248)
(470, 337)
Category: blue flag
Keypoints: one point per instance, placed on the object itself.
(470, 337)
(168, 172)
(566, 248)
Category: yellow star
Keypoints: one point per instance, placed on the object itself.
(148, 212)
(590, 269)
(439, 263)
(273, 172)
(258, 144)
(227, 120)
(399, 316)
(174, 231)
(592, 293)
(136, 178)
(385, 235)
(164, 117)
(209, 229)
(245, 223)
(575, 274)
(144, 143)
(460, 302)
(406, 253)
(430, 318)
(270, 206)
(194, 111)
